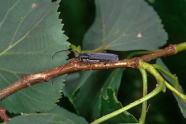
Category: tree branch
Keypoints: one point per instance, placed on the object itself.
(45, 76)
(3, 114)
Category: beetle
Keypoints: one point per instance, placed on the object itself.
(98, 57)
(92, 57)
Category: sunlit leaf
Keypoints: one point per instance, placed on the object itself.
(125, 25)
(30, 33)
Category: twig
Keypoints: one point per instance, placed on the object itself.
(45, 76)
(3, 114)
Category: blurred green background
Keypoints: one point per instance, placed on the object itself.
(78, 15)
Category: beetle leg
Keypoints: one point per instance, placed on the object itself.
(90, 66)
(106, 65)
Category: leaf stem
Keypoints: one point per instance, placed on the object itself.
(175, 90)
(144, 104)
(182, 96)
(168, 74)
(159, 87)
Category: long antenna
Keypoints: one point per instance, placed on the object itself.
(64, 50)
(62, 69)
(65, 64)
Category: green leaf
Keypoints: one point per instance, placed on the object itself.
(30, 34)
(72, 85)
(36, 98)
(181, 104)
(88, 99)
(125, 25)
(71, 116)
(110, 104)
(172, 13)
(74, 82)
(40, 119)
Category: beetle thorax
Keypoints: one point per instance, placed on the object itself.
(83, 56)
